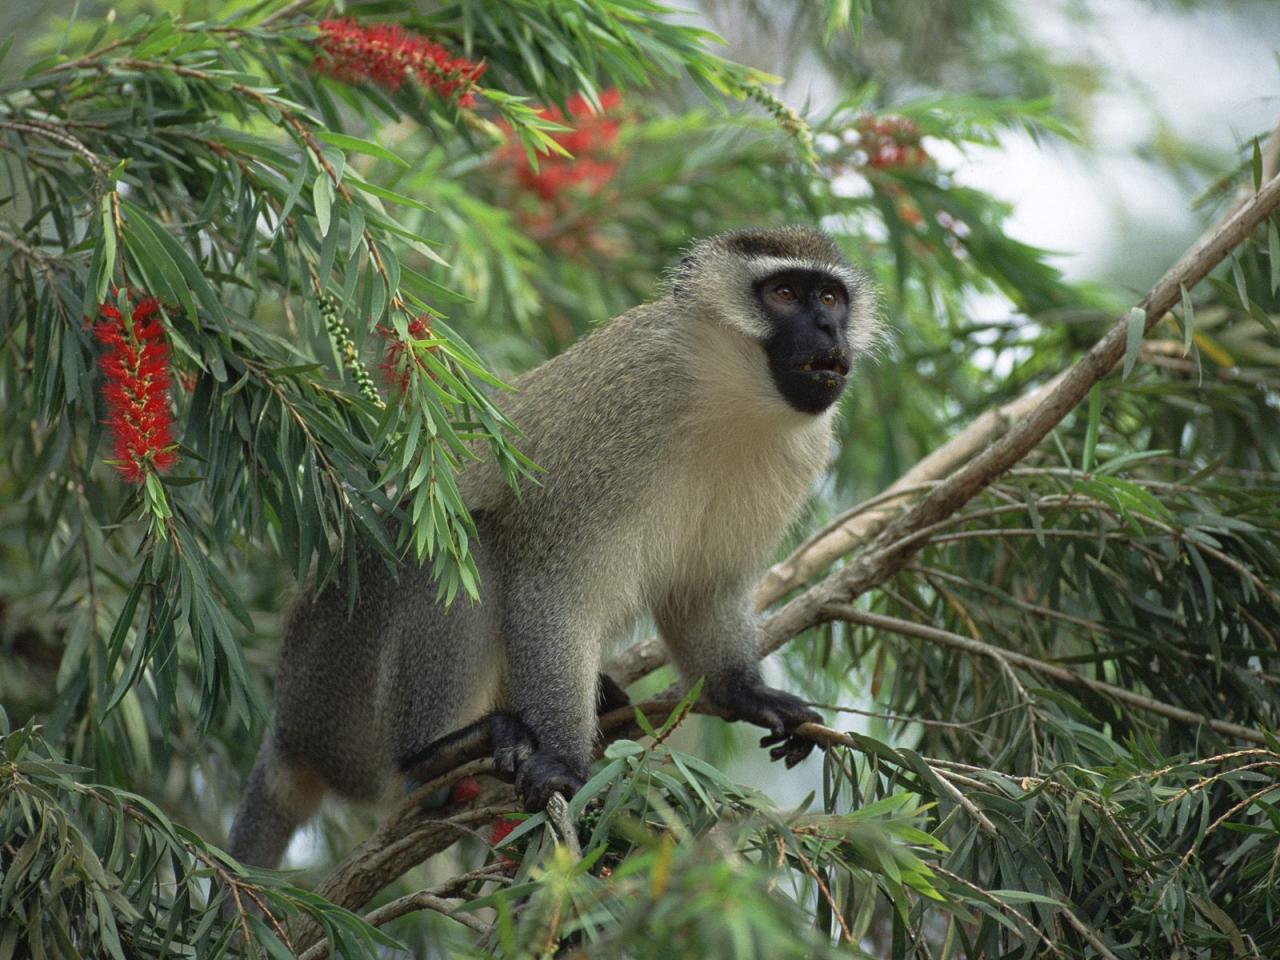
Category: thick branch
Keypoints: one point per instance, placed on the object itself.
(405, 840)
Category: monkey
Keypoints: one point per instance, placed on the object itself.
(676, 444)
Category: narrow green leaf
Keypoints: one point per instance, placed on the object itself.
(1091, 432)
(191, 276)
(1022, 896)
(357, 145)
(1189, 317)
(356, 225)
(384, 194)
(1033, 513)
(1273, 254)
(108, 265)
(428, 289)
(296, 183)
(1242, 288)
(125, 620)
(1135, 327)
(322, 195)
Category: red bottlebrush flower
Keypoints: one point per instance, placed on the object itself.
(387, 55)
(465, 790)
(890, 142)
(135, 366)
(399, 360)
(549, 198)
(592, 144)
(498, 831)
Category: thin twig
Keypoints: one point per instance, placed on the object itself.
(970, 808)
(558, 814)
(1087, 932)
(836, 912)
(434, 898)
(907, 719)
(1062, 674)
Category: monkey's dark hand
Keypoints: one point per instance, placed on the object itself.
(779, 711)
(513, 745)
(545, 773)
(504, 736)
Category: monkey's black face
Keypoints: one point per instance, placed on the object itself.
(808, 351)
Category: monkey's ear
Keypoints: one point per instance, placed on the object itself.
(679, 274)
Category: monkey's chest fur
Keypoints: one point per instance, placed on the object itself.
(648, 491)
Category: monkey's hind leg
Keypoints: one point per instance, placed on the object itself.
(279, 798)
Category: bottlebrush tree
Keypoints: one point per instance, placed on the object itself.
(263, 270)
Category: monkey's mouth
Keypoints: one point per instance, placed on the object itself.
(835, 363)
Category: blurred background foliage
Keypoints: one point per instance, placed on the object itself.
(345, 264)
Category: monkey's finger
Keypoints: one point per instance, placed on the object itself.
(791, 750)
(799, 749)
(773, 739)
(506, 763)
(769, 739)
(773, 721)
(801, 714)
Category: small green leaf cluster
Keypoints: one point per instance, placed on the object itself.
(677, 859)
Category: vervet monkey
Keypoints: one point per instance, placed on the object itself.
(677, 443)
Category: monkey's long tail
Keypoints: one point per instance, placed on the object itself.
(279, 798)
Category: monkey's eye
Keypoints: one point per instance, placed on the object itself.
(828, 298)
(784, 292)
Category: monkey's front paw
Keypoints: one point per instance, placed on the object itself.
(780, 712)
(513, 745)
(545, 773)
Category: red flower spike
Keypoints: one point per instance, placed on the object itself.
(396, 365)
(592, 145)
(387, 55)
(500, 828)
(890, 142)
(135, 366)
(498, 831)
(465, 790)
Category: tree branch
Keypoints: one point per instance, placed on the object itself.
(434, 898)
(1062, 674)
(408, 837)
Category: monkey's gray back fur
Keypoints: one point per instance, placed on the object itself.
(670, 469)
